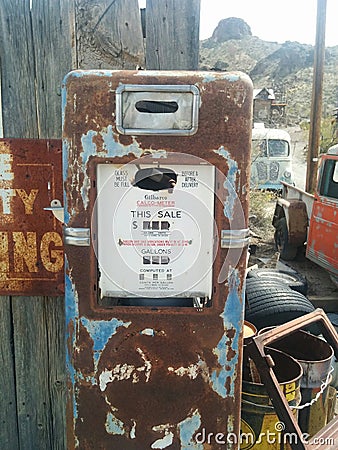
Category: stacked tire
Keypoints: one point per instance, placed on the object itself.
(274, 297)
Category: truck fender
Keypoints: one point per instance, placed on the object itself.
(295, 213)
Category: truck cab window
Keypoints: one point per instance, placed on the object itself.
(329, 180)
(278, 147)
(259, 148)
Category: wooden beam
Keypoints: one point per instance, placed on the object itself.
(317, 98)
(172, 34)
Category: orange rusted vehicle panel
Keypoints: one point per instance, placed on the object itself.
(31, 246)
(322, 242)
(154, 346)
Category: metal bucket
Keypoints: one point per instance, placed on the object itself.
(260, 426)
(315, 356)
(249, 369)
(249, 330)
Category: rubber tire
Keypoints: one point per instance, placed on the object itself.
(257, 284)
(287, 252)
(254, 285)
(293, 280)
(273, 306)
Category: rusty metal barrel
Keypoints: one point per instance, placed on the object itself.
(260, 426)
(315, 356)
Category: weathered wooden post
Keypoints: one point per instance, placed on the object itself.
(40, 42)
(35, 54)
(172, 34)
(317, 98)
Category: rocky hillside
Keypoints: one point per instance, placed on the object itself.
(285, 67)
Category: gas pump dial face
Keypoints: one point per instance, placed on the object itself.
(155, 230)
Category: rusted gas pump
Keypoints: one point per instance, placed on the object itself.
(156, 205)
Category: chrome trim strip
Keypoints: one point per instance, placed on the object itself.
(157, 88)
(77, 236)
(235, 238)
(234, 243)
(228, 234)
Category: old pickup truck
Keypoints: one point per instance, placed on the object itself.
(301, 218)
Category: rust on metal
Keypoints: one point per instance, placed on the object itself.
(31, 246)
(297, 219)
(255, 349)
(322, 245)
(154, 376)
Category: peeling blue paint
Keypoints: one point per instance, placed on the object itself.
(72, 315)
(114, 425)
(65, 147)
(230, 182)
(221, 350)
(187, 429)
(158, 154)
(164, 442)
(148, 332)
(232, 319)
(223, 152)
(114, 148)
(230, 426)
(63, 99)
(65, 159)
(89, 147)
(101, 331)
(218, 380)
(232, 77)
(210, 77)
(132, 433)
(84, 73)
(91, 380)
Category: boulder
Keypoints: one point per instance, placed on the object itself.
(231, 28)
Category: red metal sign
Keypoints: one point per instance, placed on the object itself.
(31, 246)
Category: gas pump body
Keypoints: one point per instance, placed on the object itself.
(156, 184)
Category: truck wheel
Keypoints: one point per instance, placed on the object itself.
(293, 280)
(269, 307)
(286, 250)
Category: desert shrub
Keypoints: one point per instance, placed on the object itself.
(262, 206)
(328, 133)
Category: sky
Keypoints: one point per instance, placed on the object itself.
(271, 20)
